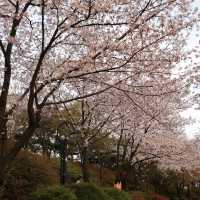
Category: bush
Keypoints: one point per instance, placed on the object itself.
(74, 171)
(116, 194)
(53, 193)
(28, 172)
(86, 191)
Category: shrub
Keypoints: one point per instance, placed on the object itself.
(28, 172)
(53, 193)
(87, 191)
(116, 194)
(74, 171)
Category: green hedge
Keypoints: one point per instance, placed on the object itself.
(87, 191)
(53, 193)
(116, 194)
(82, 191)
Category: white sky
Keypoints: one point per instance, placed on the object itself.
(193, 128)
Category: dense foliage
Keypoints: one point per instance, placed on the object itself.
(28, 172)
(53, 193)
(86, 191)
(117, 195)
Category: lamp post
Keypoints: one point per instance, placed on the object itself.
(100, 166)
(63, 170)
(3, 138)
(61, 146)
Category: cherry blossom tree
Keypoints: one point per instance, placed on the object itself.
(155, 116)
(49, 48)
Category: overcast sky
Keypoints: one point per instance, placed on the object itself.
(193, 129)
